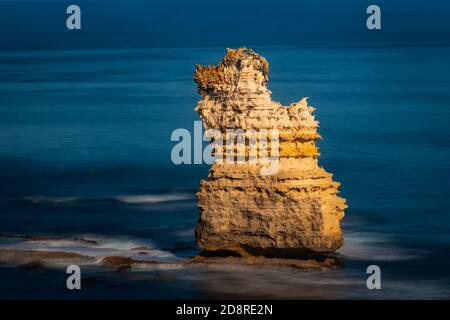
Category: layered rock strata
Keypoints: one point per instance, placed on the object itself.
(292, 212)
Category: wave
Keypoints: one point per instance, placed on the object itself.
(92, 245)
(148, 199)
(129, 199)
(367, 246)
(55, 200)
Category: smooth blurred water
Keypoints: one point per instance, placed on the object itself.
(82, 130)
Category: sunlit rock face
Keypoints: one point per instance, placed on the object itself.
(293, 212)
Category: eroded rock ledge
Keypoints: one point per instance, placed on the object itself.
(29, 260)
(295, 212)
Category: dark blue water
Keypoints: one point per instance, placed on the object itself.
(85, 126)
(73, 150)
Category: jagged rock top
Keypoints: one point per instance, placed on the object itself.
(235, 95)
(236, 65)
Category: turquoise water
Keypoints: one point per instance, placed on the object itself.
(82, 132)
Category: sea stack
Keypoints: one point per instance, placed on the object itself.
(294, 212)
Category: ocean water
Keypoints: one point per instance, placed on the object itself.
(85, 152)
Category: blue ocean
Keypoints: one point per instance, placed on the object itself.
(85, 149)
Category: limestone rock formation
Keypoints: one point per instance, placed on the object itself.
(293, 212)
